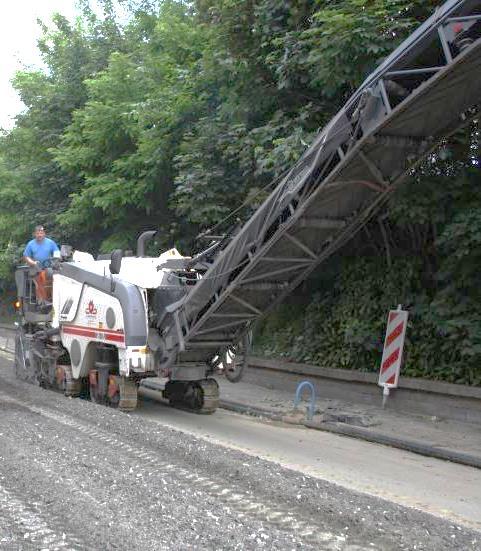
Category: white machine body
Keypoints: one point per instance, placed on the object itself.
(87, 316)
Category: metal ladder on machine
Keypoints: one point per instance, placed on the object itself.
(424, 91)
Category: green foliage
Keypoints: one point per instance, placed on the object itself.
(31, 181)
(435, 278)
(123, 139)
(344, 326)
(334, 45)
(176, 116)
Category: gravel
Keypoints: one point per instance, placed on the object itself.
(74, 475)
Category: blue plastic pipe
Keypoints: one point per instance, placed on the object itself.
(300, 386)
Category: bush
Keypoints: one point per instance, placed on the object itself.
(344, 325)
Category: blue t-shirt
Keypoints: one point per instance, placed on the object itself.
(41, 252)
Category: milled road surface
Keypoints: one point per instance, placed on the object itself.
(431, 485)
(74, 475)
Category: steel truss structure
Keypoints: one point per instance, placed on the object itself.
(424, 91)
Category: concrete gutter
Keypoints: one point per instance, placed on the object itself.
(360, 433)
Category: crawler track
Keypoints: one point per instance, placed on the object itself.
(198, 397)
(195, 396)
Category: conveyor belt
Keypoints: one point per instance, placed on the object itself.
(426, 89)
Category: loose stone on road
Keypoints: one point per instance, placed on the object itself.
(74, 475)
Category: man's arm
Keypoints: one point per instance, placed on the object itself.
(27, 256)
(30, 261)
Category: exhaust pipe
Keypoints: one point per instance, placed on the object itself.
(142, 240)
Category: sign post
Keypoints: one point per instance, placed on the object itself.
(393, 351)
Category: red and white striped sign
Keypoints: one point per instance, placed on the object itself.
(393, 348)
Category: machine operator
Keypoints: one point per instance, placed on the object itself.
(38, 253)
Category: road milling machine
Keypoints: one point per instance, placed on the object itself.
(116, 321)
(101, 334)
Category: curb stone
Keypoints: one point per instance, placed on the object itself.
(348, 430)
(359, 433)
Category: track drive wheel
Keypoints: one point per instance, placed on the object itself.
(210, 395)
(71, 387)
(128, 393)
(112, 390)
(196, 396)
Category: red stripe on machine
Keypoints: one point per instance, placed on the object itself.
(90, 328)
(95, 333)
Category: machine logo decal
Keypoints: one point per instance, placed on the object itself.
(91, 310)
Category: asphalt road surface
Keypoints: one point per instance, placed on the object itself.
(431, 485)
(74, 475)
